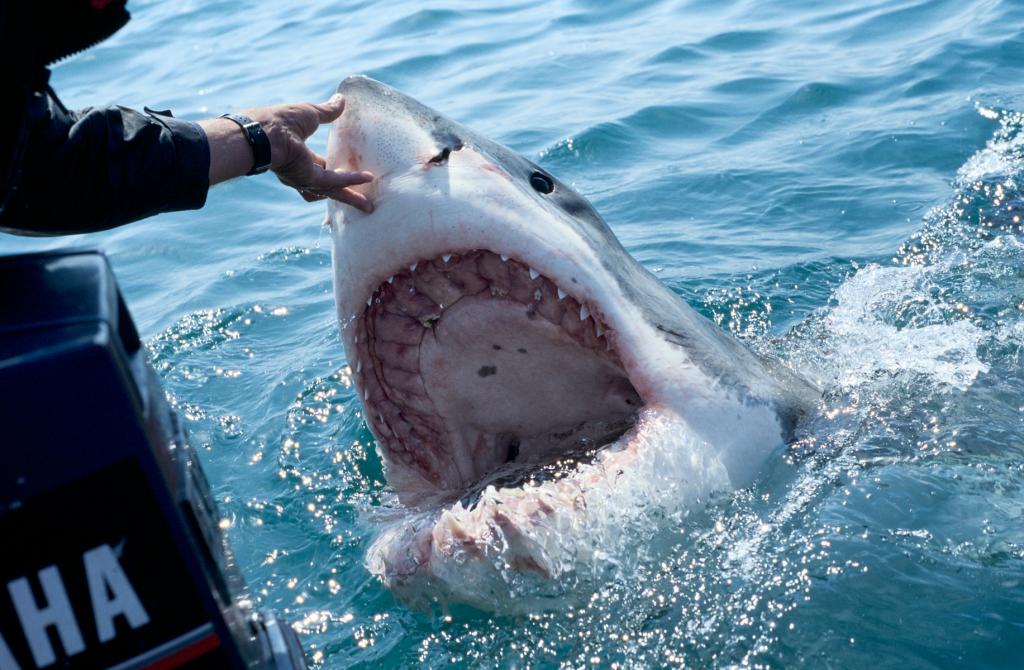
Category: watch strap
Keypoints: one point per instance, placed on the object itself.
(258, 140)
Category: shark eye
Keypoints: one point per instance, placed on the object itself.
(541, 182)
(442, 157)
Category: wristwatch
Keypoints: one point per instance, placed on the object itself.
(257, 139)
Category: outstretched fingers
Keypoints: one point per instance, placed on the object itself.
(335, 184)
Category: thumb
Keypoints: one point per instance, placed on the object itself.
(332, 109)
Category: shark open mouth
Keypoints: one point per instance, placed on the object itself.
(475, 368)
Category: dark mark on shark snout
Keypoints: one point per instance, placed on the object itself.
(496, 347)
(521, 350)
(487, 370)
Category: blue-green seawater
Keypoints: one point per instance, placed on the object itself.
(836, 183)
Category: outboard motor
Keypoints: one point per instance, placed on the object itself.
(110, 551)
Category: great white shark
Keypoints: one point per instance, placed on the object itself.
(533, 390)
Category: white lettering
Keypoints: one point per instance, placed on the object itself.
(7, 661)
(112, 594)
(35, 620)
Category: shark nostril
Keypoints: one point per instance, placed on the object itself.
(442, 157)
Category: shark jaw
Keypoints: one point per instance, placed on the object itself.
(500, 404)
(538, 398)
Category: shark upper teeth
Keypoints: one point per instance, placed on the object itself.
(391, 279)
(504, 258)
(534, 274)
(359, 366)
(597, 329)
(446, 257)
(584, 312)
(412, 268)
(369, 301)
(561, 294)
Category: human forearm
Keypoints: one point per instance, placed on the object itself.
(101, 168)
(230, 153)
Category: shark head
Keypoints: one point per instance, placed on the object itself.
(533, 390)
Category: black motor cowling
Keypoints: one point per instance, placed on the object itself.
(112, 554)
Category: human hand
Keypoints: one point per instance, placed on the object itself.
(295, 164)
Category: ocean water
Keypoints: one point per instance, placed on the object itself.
(839, 184)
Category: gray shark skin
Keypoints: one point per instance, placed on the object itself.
(495, 325)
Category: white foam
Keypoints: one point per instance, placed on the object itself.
(1001, 156)
(864, 343)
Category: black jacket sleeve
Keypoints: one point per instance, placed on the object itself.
(102, 167)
